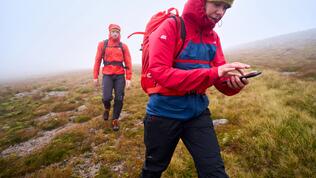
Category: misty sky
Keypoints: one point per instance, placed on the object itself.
(41, 36)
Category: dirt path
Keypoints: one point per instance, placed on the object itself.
(26, 148)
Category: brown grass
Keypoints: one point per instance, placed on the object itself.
(270, 133)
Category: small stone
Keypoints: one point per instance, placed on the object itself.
(57, 93)
(289, 73)
(82, 108)
(220, 122)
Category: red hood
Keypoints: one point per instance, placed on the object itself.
(111, 27)
(194, 13)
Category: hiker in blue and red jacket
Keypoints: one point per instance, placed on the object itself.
(179, 107)
(114, 55)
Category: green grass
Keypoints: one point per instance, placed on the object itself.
(85, 90)
(60, 88)
(61, 148)
(52, 123)
(16, 120)
(52, 172)
(63, 107)
(81, 119)
(271, 132)
(104, 173)
(276, 126)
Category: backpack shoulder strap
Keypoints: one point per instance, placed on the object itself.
(123, 52)
(104, 47)
(183, 33)
(122, 48)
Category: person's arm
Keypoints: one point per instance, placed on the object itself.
(161, 54)
(220, 85)
(97, 63)
(98, 59)
(127, 62)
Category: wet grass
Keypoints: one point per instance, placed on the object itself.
(52, 172)
(81, 119)
(16, 120)
(270, 133)
(53, 88)
(62, 147)
(105, 173)
(276, 124)
(63, 107)
(52, 123)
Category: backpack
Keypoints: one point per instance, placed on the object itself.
(156, 20)
(115, 63)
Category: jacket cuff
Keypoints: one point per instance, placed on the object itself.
(95, 76)
(213, 75)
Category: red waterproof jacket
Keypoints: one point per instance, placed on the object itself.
(113, 53)
(196, 68)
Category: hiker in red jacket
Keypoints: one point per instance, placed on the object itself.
(117, 62)
(178, 106)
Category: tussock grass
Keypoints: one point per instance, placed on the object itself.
(62, 147)
(54, 88)
(84, 90)
(42, 110)
(276, 126)
(52, 172)
(181, 164)
(105, 172)
(271, 131)
(16, 120)
(81, 119)
(52, 123)
(63, 107)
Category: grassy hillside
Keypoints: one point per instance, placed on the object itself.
(52, 127)
(271, 130)
(291, 54)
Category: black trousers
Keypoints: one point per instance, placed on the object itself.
(116, 83)
(161, 136)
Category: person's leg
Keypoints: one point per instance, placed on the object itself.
(119, 87)
(161, 137)
(107, 88)
(200, 139)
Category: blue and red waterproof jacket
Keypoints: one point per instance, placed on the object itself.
(194, 70)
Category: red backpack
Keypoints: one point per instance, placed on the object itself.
(147, 82)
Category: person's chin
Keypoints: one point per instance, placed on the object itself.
(213, 20)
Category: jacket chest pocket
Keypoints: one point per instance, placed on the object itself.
(114, 53)
(198, 51)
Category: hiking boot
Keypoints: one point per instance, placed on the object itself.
(107, 107)
(106, 114)
(115, 125)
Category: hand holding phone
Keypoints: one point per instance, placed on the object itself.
(248, 75)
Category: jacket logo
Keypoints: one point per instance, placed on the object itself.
(164, 37)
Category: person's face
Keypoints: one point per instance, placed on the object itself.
(115, 34)
(215, 10)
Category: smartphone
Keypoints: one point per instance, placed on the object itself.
(249, 75)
